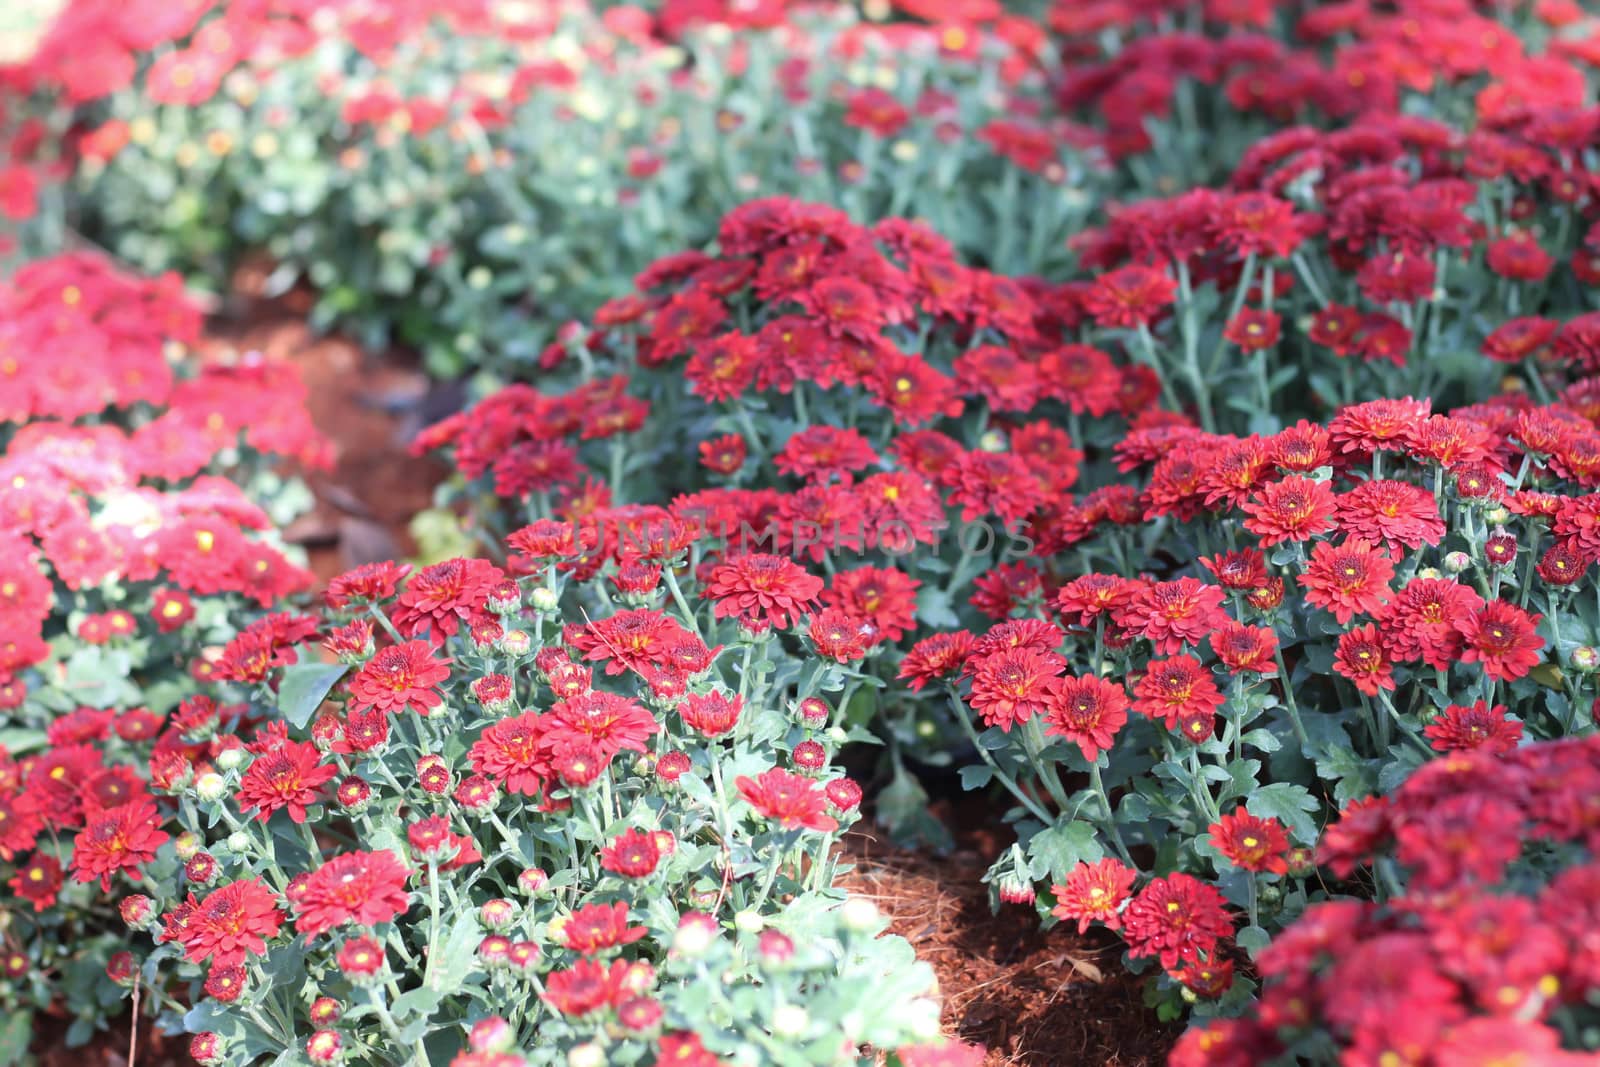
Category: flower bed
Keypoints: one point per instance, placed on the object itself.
(1229, 535)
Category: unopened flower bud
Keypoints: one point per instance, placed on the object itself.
(121, 969)
(505, 598)
(544, 600)
(1585, 658)
(1500, 549)
(1497, 515)
(1302, 862)
(354, 794)
(1456, 562)
(238, 842)
(201, 868)
(490, 1035)
(809, 756)
(859, 915)
(514, 643)
(325, 1011)
(433, 774)
(324, 1046)
(790, 1022)
(587, 1054)
(1013, 889)
(137, 911)
(187, 845)
(814, 712)
(210, 786)
(497, 914)
(532, 880)
(229, 759)
(206, 1049)
(775, 947)
(695, 934)
(672, 766)
(495, 950)
(749, 921)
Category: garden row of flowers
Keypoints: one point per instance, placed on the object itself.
(1244, 544)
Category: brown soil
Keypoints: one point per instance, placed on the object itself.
(370, 407)
(110, 1049)
(1029, 997)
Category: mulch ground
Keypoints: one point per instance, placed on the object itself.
(1031, 998)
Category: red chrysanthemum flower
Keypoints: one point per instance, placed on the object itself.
(790, 800)
(608, 721)
(1360, 657)
(231, 923)
(38, 881)
(1087, 711)
(1092, 596)
(1174, 614)
(1293, 509)
(880, 598)
(1129, 296)
(588, 985)
(711, 714)
(1390, 513)
(596, 927)
(633, 854)
(120, 838)
(1094, 892)
(1422, 621)
(1177, 918)
(837, 636)
(762, 589)
(289, 776)
(400, 677)
(1463, 728)
(510, 752)
(1176, 690)
(1244, 648)
(1250, 842)
(935, 657)
(438, 599)
(1377, 425)
(1013, 685)
(369, 584)
(365, 888)
(1254, 329)
(1349, 579)
(1503, 638)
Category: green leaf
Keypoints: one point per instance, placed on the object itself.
(976, 776)
(1055, 850)
(18, 740)
(458, 954)
(1252, 939)
(934, 608)
(1290, 804)
(419, 1003)
(304, 687)
(16, 1033)
(903, 809)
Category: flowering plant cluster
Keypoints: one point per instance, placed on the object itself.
(1483, 927)
(570, 146)
(582, 816)
(1186, 667)
(126, 552)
